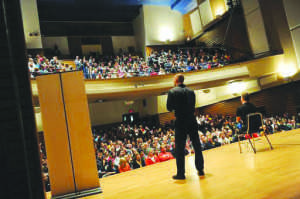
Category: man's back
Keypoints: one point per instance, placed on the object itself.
(244, 110)
(182, 100)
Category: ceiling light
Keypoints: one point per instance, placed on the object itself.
(286, 69)
(236, 87)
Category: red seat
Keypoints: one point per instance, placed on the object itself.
(255, 135)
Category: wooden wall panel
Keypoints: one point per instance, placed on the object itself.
(166, 118)
(187, 25)
(223, 108)
(277, 100)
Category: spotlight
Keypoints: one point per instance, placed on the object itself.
(287, 70)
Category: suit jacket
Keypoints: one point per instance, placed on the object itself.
(244, 110)
(182, 100)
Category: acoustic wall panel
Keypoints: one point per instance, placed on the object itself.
(293, 17)
(255, 26)
(257, 32)
(296, 41)
(205, 12)
(292, 12)
(249, 6)
(196, 22)
(56, 138)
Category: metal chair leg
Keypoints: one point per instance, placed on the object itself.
(253, 142)
(268, 141)
(253, 147)
(239, 144)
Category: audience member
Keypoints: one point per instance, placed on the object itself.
(124, 166)
(151, 158)
(164, 155)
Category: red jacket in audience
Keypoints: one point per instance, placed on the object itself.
(164, 156)
(151, 160)
(124, 166)
(124, 169)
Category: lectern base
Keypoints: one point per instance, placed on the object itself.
(79, 194)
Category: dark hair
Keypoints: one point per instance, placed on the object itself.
(245, 97)
(180, 78)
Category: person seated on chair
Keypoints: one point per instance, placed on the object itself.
(164, 155)
(151, 158)
(244, 110)
(138, 162)
(124, 166)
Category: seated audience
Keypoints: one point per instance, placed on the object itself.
(159, 62)
(151, 158)
(164, 155)
(123, 147)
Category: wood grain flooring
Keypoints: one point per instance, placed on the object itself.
(268, 174)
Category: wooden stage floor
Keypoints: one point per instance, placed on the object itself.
(229, 174)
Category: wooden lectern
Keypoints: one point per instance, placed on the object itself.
(68, 137)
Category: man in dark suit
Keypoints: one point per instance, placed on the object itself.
(182, 100)
(244, 110)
